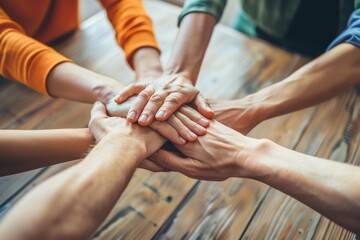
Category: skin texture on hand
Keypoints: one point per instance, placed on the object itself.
(238, 114)
(159, 99)
(101, 125)
(185, 125)
(218, 155)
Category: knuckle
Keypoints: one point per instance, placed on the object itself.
(148, 110)
(173, 100)
(144, 95)
(156, 98)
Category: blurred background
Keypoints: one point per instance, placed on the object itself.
(90, 7)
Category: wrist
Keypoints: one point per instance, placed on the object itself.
(106, 90)
(131, 148)
(256, 163)
(146, 62)
(185, 74)
(258, 107)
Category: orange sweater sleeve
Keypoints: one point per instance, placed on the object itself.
(132, 25)
(24, 59)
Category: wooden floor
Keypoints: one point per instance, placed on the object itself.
(172, 206)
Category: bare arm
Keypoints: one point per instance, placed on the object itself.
(85, 193)
(82, 194)
(23, 150)
(147, 64)
(190, 45)
(70, 81)
(325, 77)
(329, 187)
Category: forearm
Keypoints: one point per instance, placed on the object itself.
(190, 45)
(147, 63)
(329, 187)
(82, 194)
(23, 150)
(320, 80)
(69, 81)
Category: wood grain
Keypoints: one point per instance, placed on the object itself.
(170, 205)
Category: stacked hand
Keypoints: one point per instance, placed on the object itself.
(237, 114)
(160, 105)
(184, 125)
(159, 99)
(101, 125)
(221, 154)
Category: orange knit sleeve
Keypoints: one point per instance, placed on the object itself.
(132, 25)
(24, 59)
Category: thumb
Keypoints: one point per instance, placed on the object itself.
(98, 110)
(168, 160)
(202, 106)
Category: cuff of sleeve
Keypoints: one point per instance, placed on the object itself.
(215, 11)
(41, 67)
(136, 41)
(350, 36)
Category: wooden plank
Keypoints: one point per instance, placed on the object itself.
(170, 205)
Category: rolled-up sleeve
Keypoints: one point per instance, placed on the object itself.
(24, 59)
(351, 34)
(213, 7)
(132, 25)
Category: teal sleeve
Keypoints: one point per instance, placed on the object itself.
(213, 7)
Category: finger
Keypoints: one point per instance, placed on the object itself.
(193, 126)
(98, 110)
(138, 106)
(152, 166)
(171, 161)
(171, 104)
(120, 110)
(152, 106)
(182, 129)
(202, 106)
(132, 89)
(167, 131)
(194, 116)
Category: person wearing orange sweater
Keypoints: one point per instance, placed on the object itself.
(26, 26)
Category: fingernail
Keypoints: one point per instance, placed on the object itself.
(204, 121)
(182, 140)
(132, 115)
(143, 118)
(191, 134)
(200, 128)
(118, 99)
(160, 114)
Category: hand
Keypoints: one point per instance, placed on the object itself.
(161, 98)
(238, 114)
(220, 154)
(101, 125)
(185, 125)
